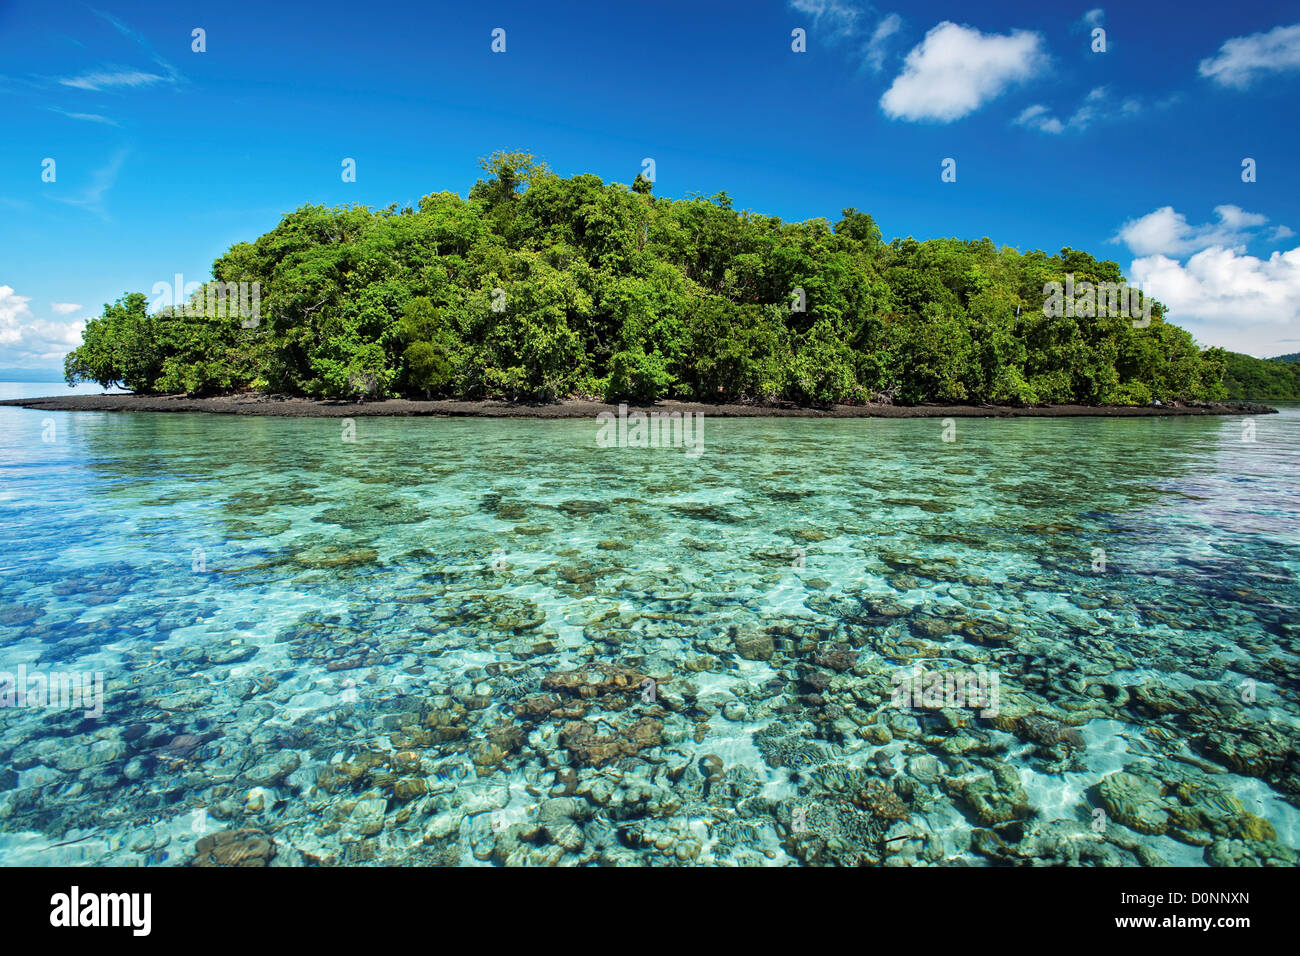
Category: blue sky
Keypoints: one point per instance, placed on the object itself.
(165, 156)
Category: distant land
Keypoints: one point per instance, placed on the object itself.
(1260, 380)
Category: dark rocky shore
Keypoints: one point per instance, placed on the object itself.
(291, 407)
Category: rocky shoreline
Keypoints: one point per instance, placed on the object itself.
(292, 407)
(827, 647)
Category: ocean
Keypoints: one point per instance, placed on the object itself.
(469, 641)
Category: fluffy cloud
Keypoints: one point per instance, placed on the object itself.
(64, 308)
(1166, 232)
(957, 69)
(1242, 60)
(26, 341)
(1243, 302)
(1225, 296)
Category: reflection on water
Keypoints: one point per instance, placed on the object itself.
(492, 641)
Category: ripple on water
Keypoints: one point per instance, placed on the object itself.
(392, 606)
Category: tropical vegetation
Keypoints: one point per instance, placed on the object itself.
(535, 287)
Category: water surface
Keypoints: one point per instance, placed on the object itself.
(434, 643)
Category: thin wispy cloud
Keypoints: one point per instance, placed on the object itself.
(114, 77)
(139, 39)
(836, 19)
(878, 45)
(21, 84)
(135, 36)
(858, 26)
(109, 80)
(122, 28)
(102, 180)
(1097, 106)
(86, 117)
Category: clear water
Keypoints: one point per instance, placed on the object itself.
(259, 592)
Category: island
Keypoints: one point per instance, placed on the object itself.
(551, 296)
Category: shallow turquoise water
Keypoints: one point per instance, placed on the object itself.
(361, 630)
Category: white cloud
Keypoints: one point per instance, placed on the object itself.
(1238, 220)
(100, 81)
(1096, 105)
(1166, 232)
(836, 18)
(876, 46)
(1225, 296)
(64, 308)
(1242, 60)
(111, 76)
(1094, 18)
(26, 340)
(1039, 117)
(839, 21)
(12, 308)
(1240, 302)
(87, 117)
(101, 181)
(957, 69)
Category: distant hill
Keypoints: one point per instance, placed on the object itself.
(1253, 379)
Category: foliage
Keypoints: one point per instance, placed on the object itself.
(1247, 377)
(535, 287)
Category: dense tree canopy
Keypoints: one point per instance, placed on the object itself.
(1276, 379)
(540, 287)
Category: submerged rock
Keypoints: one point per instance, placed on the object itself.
(994, 796)
(247, 847)
(1135, 801)
(589, 748)
(753, 643)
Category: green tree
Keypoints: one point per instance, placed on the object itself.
(536, 286)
